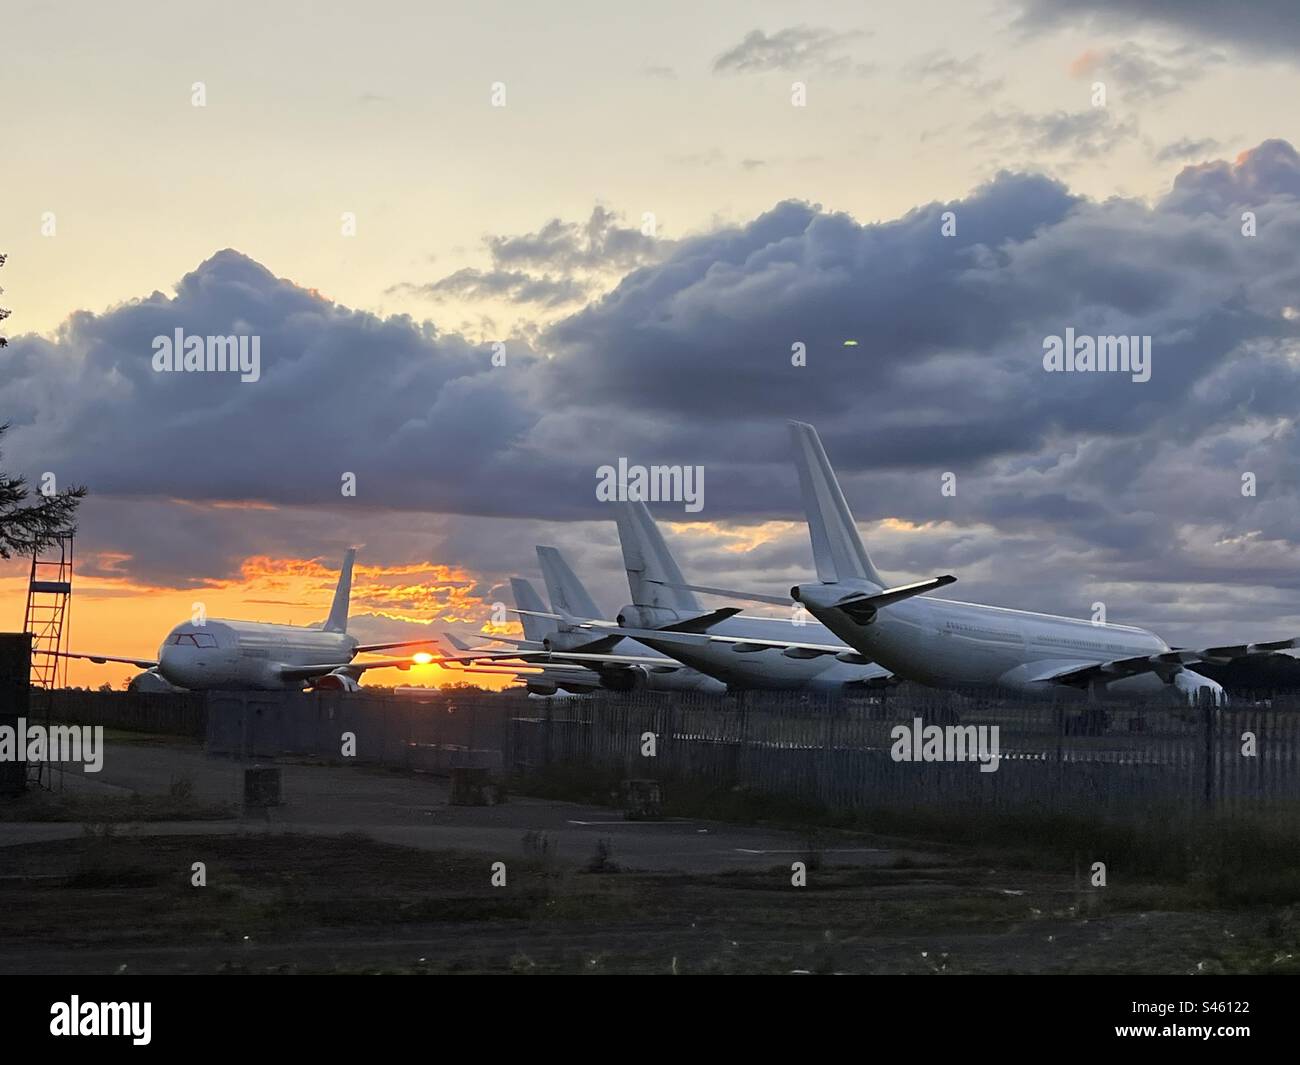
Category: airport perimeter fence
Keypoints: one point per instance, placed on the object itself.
(1123, 760)
(175, 714)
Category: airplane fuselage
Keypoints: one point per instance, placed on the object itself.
(744, 668)
(223, 655)
(948, 644)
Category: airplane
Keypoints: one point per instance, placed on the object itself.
(745, 652)
(228, 655)
(948, 644)
(539, 678)
(619, 664)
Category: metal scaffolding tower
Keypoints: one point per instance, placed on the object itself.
(49, 594)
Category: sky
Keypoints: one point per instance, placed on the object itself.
(489, 248)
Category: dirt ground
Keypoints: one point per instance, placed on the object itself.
(108, 903)
(373, 871)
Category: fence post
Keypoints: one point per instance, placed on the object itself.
(1207, 709)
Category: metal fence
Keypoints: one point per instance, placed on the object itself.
(1061, 757)
(1069, 757)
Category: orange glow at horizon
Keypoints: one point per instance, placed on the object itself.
(117, 616)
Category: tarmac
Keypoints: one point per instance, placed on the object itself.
(413, 810)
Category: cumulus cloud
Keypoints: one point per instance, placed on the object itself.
(1074, 134)
(1147, 72)
(559, 264)
(1186, 148)
(802, 49)
(1264, 26)
(1071, 488)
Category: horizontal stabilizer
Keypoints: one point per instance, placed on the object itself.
(864, 605)
(704, 622)
(730, 593)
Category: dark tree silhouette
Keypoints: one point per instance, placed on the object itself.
(26, 527)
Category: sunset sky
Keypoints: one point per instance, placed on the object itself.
(648, 225)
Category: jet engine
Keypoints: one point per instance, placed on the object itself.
(151, 681)
(1197, 688)
(338, 681)
(625, 679)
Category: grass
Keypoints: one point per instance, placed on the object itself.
(177, 805)
(1200, 860)
(287, 903)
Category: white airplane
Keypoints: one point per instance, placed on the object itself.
(744, 652)
(948, 644)
(225, 655)
(620, 664)
(539, 678)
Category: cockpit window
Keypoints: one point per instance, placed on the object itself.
(194, 639)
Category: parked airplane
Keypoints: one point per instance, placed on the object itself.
(620, 663)
(540, 678)
(950, 644)
(744, 652)
(225, 655)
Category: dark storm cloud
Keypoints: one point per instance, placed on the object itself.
(1269, 27)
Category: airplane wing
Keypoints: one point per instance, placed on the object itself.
(426, 642)
(322, 668)
(1231, 652)
(1079, 674)
(461, 645)
(143, 663)
(1166, 664)
(556, 657)
(792, 648)
(861, 604)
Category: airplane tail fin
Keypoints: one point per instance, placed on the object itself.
(338, 619)
(651, 569)
(567, 594)
(837, 547)
(526, 598)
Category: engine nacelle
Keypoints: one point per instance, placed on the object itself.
(630, 679)
(1196, 688)
(651, 617)
(541, 687)
(338, 681)
(151, 681)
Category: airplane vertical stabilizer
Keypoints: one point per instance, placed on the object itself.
(647, 560)
(566, 592)
(837, 547)
(338, 619)
(526, 598)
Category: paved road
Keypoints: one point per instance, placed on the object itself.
(413, 810)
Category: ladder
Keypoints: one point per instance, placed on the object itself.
(49, 591)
